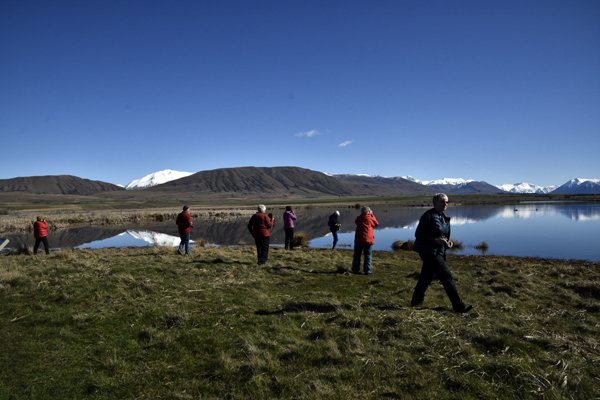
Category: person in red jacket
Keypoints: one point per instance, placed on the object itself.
(364, 240)
(184, 225)
(259, 226)
(40, 232)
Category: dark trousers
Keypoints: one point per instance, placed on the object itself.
(436, 267)
(262, 248)
(185, 241)
(367, 250)
(37, 244)
(335, 238)
(289, 238)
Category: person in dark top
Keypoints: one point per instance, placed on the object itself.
(259, 226)
(334, 227)
(432, 240)
(184, 225)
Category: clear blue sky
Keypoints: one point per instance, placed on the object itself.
(499, 91)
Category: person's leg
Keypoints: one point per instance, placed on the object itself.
(368, 252)
(425, 278)
(258, 241)
(263, 249)
(266, 243)
(187, 243)
(37, 245)
(181, 242)
(358, 247)
(335, 239)
(46, 246)
(291, 238)
(445, 276)
(289, 232)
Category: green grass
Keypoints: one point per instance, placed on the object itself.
(147, 323)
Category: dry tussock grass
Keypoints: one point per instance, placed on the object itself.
(22, 221)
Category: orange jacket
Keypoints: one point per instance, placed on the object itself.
(40, 229)
(364, 228)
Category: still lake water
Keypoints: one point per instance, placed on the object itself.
(563, 230)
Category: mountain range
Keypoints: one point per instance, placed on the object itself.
(273, 182)
(401, 185)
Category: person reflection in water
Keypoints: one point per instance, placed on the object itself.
(432, 240)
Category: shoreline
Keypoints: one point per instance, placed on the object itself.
(18, 219)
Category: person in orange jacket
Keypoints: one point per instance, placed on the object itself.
(40, 232)
(364, 240)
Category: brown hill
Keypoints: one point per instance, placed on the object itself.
(362, 185)
(475, 187)
(56, 184)
(252, 181)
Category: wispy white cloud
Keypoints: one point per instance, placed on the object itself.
(312, 133)
(346, 143)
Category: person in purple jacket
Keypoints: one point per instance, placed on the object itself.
(288, 226)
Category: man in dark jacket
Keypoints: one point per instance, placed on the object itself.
(259, 226)
(184, 225)
(432, 240)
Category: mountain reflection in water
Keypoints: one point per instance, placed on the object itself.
(506, 228)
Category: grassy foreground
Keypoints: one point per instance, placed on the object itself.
(148, 323)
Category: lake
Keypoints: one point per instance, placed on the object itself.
(562, 230)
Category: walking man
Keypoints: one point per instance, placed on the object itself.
(432, 240)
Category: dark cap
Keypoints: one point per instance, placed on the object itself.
(185, 208)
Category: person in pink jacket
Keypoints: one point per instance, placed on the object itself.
(40, 232)
(364, 240)
(288, 226)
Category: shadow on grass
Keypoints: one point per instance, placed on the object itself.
(219, 260)
(338, 271)
(329, 308)
(305, 307)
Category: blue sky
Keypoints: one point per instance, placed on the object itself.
(499, 91)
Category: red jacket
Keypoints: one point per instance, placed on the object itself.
(259, 225)
(39, 229)
(184, 223)
(364, 228)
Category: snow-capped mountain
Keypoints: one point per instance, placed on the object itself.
(157, 178)
(444, 181)
(580, 186)
(524, 187)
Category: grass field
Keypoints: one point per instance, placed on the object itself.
(147, 323)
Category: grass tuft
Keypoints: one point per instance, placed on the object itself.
(401, 245)
(300, 240)
(482, 246)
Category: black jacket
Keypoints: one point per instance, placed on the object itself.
(429, 229)
(333, 221)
